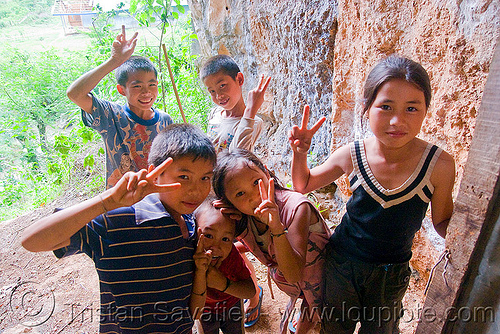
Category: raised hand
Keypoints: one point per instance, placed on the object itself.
(122, 48)
(227, 209)
(267, 211)
(133, 187)
(300, 138)
(202, 257)
(256, 97)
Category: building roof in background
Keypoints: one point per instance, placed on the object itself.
(72, 7)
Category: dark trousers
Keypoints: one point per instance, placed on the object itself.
(356, 291)
(229, 322)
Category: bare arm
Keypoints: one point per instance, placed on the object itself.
(248, 129)
(290, 247)
(79, 90)
(199, 291)
(443, 179)
(54, 231)
(208, 276)
(241, 289)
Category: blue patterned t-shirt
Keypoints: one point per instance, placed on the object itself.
(127, 137)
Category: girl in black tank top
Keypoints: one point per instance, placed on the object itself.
(393, 177)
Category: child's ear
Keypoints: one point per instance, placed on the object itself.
(121, 89)
(240, 78)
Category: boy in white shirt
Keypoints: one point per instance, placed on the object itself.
(232, 124)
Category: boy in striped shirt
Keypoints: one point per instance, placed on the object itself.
(140, 235)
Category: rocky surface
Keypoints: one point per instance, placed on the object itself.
(319, 52)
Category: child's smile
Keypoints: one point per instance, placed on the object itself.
(218, 232)
(194, 177)
(141, 91)
(226, 92)
(397, 113)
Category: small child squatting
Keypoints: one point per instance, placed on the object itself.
(221, 277)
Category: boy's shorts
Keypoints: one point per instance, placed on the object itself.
(230, 321)
(356, 291)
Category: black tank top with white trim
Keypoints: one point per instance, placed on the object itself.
(379, 224)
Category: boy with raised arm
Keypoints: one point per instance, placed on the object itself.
(233, 124)
(140, 235)
(128, 130)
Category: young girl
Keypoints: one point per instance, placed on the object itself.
(393, 176)
(284, 230)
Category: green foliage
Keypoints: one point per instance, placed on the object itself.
(13, 12)
(148, 12)
(42, 137)
(40, 126)
(176, 33)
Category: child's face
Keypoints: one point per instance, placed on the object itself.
(219, 235)
(194, 177)
(397, 113)
(242, 187)
(140, 90)
(224, 90)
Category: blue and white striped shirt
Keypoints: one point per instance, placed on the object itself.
(145, 267)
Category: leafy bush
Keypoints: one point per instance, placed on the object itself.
(29, 12)
(43, 141)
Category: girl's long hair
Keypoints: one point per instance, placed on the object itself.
(228, 161)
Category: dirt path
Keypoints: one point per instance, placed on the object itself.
(30, 283)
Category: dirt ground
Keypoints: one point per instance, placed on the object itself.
(41, 294)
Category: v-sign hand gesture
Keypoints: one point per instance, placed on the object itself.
(201, 256)
(133, 187)
(122, 48)
(256, 97)
(267, 211)
(300, 138)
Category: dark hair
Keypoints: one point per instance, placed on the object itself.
(228, 161)
(133, 64)
(180, 140)
(396, 67)
(207, 208)
(217, 64)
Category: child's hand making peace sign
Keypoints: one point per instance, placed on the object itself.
(134, 186)
(268, 212)
(201, 256)
(202, 259)
(256, 97)
(300, 138)
(122, 48)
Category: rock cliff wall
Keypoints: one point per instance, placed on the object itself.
(319, 52)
